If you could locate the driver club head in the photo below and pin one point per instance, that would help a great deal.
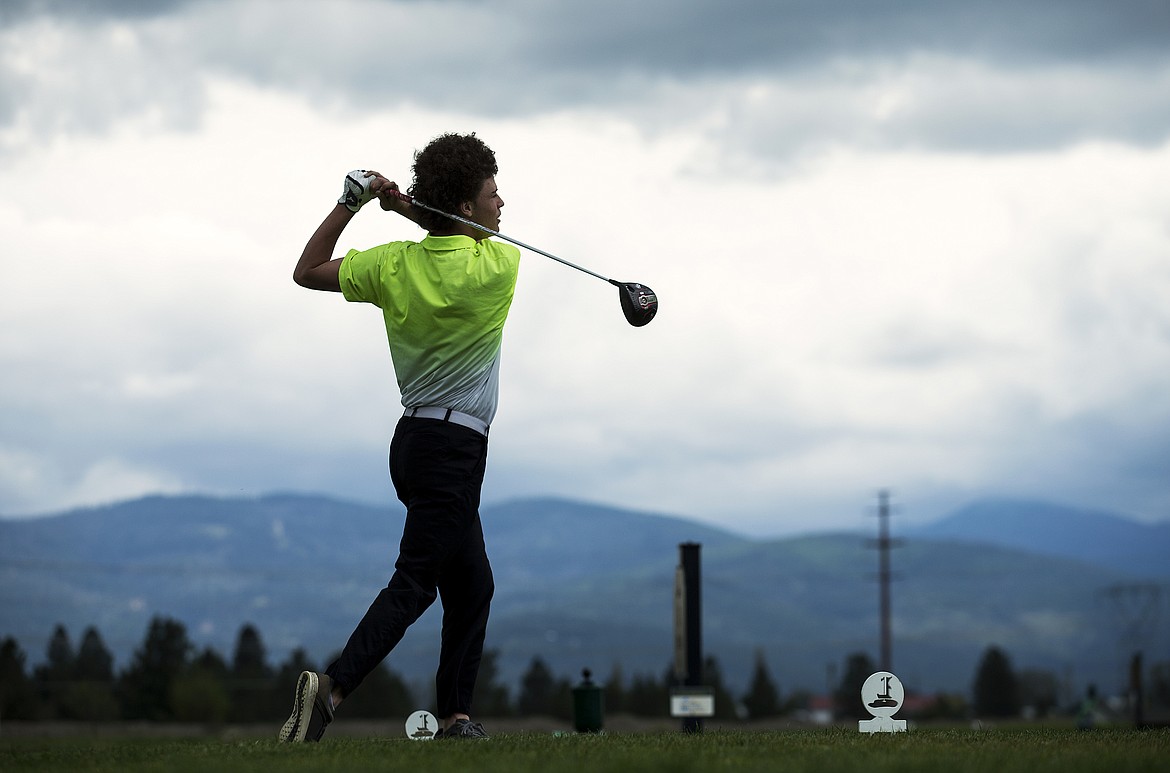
(639, 303)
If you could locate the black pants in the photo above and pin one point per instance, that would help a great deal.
(437, 469)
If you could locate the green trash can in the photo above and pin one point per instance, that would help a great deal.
(588, 705)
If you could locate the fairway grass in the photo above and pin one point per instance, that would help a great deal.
(950, 751)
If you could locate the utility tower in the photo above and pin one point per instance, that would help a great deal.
(883, 545)
(1137, 610)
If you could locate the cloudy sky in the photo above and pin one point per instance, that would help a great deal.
(917, 245)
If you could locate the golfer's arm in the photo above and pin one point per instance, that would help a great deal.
(315, 270)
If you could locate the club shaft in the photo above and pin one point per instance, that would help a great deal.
(517, 242)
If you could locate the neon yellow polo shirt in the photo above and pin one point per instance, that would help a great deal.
(444, 301)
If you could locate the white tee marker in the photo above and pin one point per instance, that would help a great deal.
(421, 726)
(882, 696)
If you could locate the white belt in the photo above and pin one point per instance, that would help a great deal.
(447, 414)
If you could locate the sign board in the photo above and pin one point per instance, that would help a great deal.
(692, 702)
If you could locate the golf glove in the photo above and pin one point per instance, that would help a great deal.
(357, 190)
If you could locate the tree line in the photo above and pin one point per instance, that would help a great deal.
(169, 679)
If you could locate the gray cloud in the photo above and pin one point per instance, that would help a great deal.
(674, 38)
(701, 35)
(868, 357)
(992, 77)
(18, 11)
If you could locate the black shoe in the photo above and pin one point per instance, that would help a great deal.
(312, 709)
(463, 728)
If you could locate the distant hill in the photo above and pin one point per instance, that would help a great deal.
(577, 584)
(1096, 537)
(302, 569)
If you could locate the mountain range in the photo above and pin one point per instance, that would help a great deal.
(582, 585)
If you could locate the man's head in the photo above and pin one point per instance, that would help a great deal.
(455, 173)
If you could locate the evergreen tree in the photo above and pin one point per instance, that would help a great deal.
(491, 697)
(90, 694)
(250, 659)
(996, 687)
(200, 693)
(397, 695)
(536, 690)
(858, 667)
(725, 705)
(283, 683)
(251, 681)
(94, 661)
(59, 657)
(18, 699)
(561, 703)
(290, 670)
(145, 686)
(53, 677)
(615, 696)
(382, 695)
(298, 661)
(762, 698)
(212, 663)
(648, 697)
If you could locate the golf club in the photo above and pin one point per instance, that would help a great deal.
(639, 303)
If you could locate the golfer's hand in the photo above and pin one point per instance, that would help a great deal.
(390, 198)
(357, 189)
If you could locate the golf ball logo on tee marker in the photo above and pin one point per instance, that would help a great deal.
(882, 695)
(421, 726)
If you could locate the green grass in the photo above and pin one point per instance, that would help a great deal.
(949, 751)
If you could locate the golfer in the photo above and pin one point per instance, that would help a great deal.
(444, 301)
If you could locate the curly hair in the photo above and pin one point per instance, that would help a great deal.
(450, 170)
